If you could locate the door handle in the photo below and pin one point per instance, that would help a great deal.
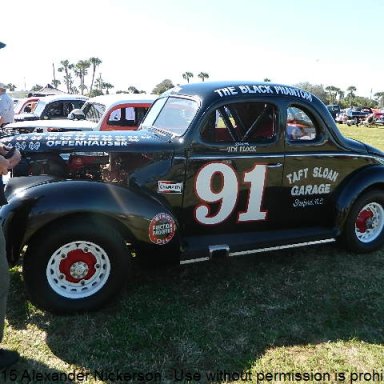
(275, 165)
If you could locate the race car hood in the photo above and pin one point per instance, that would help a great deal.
(95, 141)
(62, 123)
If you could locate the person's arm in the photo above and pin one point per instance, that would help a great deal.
(9, 158)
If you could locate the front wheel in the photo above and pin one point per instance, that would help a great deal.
(75, 267)
(364, 228)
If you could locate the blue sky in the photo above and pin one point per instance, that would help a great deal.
(143, 42)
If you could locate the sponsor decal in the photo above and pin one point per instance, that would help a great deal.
(169, 187)
(309, 182)
(162, 228)
(262, 90)
(76, 140)
(241, 148)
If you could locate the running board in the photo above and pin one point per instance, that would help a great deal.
(225, 249)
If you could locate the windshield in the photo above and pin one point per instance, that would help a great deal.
(172, 114)
(39, 107)
(93, 111)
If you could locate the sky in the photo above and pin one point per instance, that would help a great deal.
(143, 42)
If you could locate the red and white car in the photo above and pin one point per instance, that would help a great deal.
(100, 113)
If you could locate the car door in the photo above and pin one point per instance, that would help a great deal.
(315, 167)
(234, 171)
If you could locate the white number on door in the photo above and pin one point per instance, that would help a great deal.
(227, 193)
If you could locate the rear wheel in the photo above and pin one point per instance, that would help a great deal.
(76, 267)
(364, 228)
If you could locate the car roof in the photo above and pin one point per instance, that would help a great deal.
(211, 91)
(121, 98)
(50, 98)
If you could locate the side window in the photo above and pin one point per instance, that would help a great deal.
(55, 110)
(127, 117)
(252, 122)
(300, 126)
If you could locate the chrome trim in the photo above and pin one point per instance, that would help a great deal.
(251, 251)
(288, 246)
(190, 261)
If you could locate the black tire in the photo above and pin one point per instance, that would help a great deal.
(76, 266)
(364, 228)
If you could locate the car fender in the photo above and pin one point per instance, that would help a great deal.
(149, 223)
(353, 187)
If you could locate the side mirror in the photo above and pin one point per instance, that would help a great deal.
(76, 114)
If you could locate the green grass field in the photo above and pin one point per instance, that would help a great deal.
(306, 315)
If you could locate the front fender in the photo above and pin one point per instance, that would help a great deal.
(353, 187)
(32, 209)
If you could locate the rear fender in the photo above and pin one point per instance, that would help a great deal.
(353, 187)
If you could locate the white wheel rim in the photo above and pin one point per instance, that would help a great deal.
(78, 269)
(369, 222)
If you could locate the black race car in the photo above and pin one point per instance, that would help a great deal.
(215, 170)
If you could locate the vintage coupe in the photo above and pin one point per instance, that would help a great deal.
(215, 170)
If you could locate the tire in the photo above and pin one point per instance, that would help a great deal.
(77, 266)
(364, 228)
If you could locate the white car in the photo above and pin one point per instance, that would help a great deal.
(52, 107)
(100, 113)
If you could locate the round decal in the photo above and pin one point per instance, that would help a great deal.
(162, 228)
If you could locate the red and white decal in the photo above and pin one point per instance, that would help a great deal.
(227, 194)
(162, 228)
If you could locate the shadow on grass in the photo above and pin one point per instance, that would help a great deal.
(222, 316)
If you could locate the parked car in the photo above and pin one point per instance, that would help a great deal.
(100, 113)
(357, 115)
(26, 105)
(211, 173)
(334, 109)
(52, 107)
(342, 117)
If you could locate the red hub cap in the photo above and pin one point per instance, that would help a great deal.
(364, 220)
(78, 265)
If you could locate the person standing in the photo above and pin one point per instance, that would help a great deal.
(9, 158)
(6, 107)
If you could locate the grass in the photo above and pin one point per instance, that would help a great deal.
(314, 311)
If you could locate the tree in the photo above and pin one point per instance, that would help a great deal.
(36, 87)
(81, 70)
(56, 83)
(351, 93)
(203, 75)
(11, 87)
(317, 90)
(332, 93)
(162, 87)
(66, 67)
(95, 62)
(380, 98)
(133, 89)
(107, 86)
(187, 76)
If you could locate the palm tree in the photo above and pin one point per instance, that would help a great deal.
(81, 71)
(203, 75)
(107, 86)
(187, 76)
(11, 87)
(332, 93)
(95, 62)
(66, 67)
(351, 93)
